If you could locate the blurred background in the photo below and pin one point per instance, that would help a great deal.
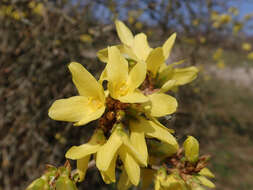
(39, 38)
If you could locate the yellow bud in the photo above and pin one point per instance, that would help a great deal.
(191, 148)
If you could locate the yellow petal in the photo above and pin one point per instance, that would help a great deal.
(141, 47)
(82, 166)
(147, 178)
(167, 46)
(85, 83)
(206, 182)
(131, 166)
(74, 109)
(137, 138)
(162, 104)
(103, 76)
(136, 76)
(131, 149)
(155, 60)
(107, 152)
(153, 130)
(134, 97)
(109, 175)
(206, 172)
(125, 35)
(161, 125)
(124, 182)
(103, 55)
(167, 86)
(117, 69)
(191, 149)
(78, 152)
(184, 75)
(91, 117)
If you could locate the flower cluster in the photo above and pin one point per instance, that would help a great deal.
(137, 80)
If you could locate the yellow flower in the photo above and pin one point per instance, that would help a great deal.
(86, 107)
(122, 84)
(141, 128)
(119, 145)
(83, 152)
(250, 56)
(246, 46)
(136, 48)
(218, 54)
(86, 38)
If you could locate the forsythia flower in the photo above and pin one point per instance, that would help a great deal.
(246, 46)
(83, 153)
(122, 85)
(86, 107)
(119, 144)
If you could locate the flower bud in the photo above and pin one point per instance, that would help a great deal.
(191, 148)
(64, 183)
(38, 184)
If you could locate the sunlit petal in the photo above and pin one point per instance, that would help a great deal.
(134, 97)
(117, 69)
(155, 60)
(167, 46)
(141, 47)
(132, 150)
(91, 117)
(109, 175)
(71, 109)
(78, 152)
(125, 35)
(82, 166)
(107, 152)
(162, 104)
(136, 76)
(184, 75)
(85, 83)
(137, 138)
(131, 166)
(153, 130)
(167, 86)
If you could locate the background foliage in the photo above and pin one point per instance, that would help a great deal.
(39, 38)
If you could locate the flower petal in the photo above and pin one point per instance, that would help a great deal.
(78, 152)
(155, 60)
(136, 76)
(134, 97)
(132, 150)
(125, 35)
(137, 138)
(103, 55)
(206, 172)
(117, 69)
(206, 182)
(162, 104)
(153, 130)
(131, 166)
(124, 182)
(184, 75)
(85, 83)
(109, 175)
(107, 152)
(167, 86)
(141, 47)
(82, 166)
(167, 46)
(91, 117)
(73, 109)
